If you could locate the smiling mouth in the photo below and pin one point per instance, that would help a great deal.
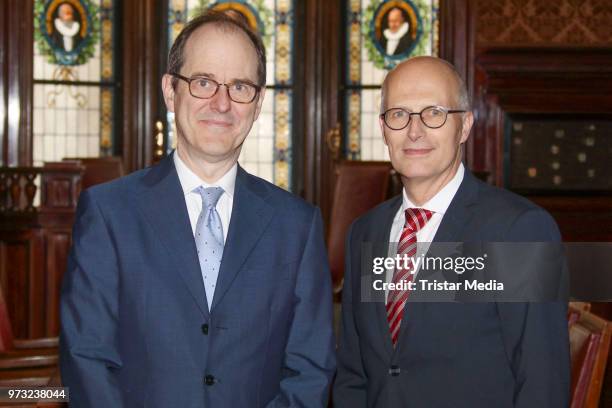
(212, 122)
(416, 152)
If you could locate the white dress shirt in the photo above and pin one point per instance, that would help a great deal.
(190, 181)
(438, 204)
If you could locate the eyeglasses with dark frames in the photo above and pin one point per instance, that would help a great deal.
(202, 87)
(433, 117)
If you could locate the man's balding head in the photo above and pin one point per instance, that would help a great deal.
(435, 69)
(427, 157)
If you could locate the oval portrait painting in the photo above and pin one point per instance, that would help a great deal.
(397, 28)
(66, 30)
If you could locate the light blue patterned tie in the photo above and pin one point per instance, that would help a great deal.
(209, 239)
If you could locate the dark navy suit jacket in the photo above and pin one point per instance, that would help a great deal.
(472, 355)
(136, 329)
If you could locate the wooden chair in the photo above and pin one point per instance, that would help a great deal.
(31, 377)
(589, 346)
(25, 363)
(574, 311)
(99, 169)
(359, 187)
(16, 354)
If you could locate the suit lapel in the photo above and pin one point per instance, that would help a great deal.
(460, 211)
(163, 204)
(381, 235)
(250, 216)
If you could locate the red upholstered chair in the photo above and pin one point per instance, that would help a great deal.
(99, 169)
(589, 346)
(359, 187)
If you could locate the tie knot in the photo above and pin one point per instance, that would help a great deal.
(416, 218)
(209, 195)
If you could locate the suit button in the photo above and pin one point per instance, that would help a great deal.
(394, 371)
(209, 379)
(205, 329)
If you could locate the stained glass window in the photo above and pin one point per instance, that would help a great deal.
(75, 80)
(379, 34)
(267, 150)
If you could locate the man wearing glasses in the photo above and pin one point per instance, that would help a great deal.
(394, 352)
(193, 283)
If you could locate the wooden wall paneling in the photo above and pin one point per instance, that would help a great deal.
(489, 152)
(580, 219)
(15, 263)
(476, 154)
(57, 247)
(20, 274)
(543, 81)
(36, 285)
(568, 82)
(34, 245)
(61, 188)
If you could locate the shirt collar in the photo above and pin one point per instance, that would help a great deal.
(398, 34)
(438, 203)
(190, 181)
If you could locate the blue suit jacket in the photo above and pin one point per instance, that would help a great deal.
(455, 355)
(136, 329)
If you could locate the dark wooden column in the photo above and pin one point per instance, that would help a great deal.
(457, 39)
(144, 56)
(16, 53)
(322, 35)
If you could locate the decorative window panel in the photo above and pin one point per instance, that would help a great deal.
(267, 151)
(75, 81)
(559, 154)
(379, 34)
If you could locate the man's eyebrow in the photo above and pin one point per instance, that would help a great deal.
(232, 81)
(416, 108)
(203, 74)
(244, 80)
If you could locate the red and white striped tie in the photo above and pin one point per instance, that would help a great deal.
(416, 218)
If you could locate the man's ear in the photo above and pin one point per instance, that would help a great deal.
(168, 91)
(468, 121)
(381, 122)
(259, 102)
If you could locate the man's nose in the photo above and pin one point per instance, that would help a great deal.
(415, 128)
(221, 101)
